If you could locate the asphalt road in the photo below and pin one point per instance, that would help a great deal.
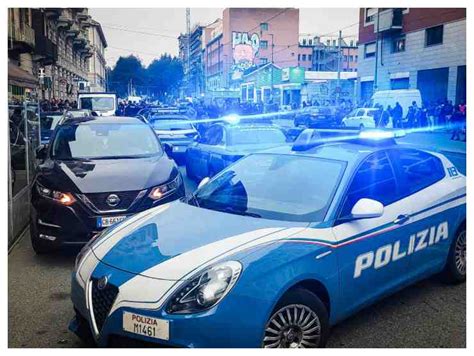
(428, 314)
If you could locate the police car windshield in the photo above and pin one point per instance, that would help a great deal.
(104, 141)
(270, 186)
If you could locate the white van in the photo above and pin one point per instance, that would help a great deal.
(104, 104)
(405, 97)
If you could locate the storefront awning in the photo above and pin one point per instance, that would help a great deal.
(20, 77)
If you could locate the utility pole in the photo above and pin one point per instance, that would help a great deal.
(376, 53)
(188, 47)
(339, 65)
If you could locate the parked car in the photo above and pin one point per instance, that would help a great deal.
(104, 104)
(275, 249)
(316, 116)
(96, 172)
(224, 144)
(176, 131)
(363, 118)
(48, 122)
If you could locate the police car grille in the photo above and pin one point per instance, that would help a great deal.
(100, 200)
(102, 301)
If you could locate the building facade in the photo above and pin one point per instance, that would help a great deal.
(97, 65)
(246, 39)
(413, 48)
(322, 53)
(49, 51)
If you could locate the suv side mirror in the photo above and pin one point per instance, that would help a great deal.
(367, 208)
(41, 152)
(203, 182)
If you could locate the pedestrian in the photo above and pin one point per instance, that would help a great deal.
(457, 126)
(397, 114)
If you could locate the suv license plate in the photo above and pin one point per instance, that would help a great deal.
(106, 221)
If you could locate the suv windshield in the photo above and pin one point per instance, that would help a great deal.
(279, 187)
(102, 141)
(98, 103)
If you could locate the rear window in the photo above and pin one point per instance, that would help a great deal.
(257, 135)
(416, 169)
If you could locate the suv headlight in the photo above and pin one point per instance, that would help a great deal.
(59, 197)
(206, 289)
(164, 190)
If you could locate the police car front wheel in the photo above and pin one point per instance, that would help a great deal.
(300, 320)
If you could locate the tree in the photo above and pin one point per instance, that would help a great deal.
(165, 76)
(127, 70)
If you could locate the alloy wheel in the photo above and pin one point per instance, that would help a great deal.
(460, 253)
(293, 326)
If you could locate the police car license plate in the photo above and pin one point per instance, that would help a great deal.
(145, 325)
(106, 221)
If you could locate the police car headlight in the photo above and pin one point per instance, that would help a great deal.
(206, 289)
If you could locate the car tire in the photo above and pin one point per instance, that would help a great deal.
(455, 269)
(300, 319)
(39, 246)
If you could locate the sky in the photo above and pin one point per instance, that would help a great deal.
(148, 33)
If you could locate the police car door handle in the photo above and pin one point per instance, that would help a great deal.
(401, 219)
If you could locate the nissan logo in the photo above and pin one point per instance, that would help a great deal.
(112, 200)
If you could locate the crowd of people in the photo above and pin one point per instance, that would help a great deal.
(442, 113)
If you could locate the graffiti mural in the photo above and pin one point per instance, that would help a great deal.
(244, 52)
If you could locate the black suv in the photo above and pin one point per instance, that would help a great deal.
(96, 172)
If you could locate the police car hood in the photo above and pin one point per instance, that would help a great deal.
(169, 241)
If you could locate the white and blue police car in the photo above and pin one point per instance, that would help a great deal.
(276, 248)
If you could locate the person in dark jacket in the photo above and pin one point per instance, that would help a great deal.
(397, 114)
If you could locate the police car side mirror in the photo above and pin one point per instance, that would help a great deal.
(203, 182)
(367, 208)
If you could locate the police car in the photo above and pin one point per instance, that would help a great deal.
(276, 248)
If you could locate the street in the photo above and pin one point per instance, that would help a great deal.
(428, 314)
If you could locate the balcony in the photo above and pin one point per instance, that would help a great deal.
(82, 16)
(80, 41)
(46, 51)
(72, 32)
(389, 20)
(21, 39)
(64, 23)
(53, 13)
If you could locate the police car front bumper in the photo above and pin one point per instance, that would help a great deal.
(222, 326)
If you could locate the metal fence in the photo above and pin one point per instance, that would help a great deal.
(24, 139)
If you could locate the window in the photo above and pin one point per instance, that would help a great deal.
(370, 13)
(263, 60)
(264, 26)
(299, 57)
(416, 170)
(309, 57)
(369, 50)
(398, 44)
(304, 41)
(434, 36)
(374, 180)
(303, 57)
(214, 136)
(263, 44)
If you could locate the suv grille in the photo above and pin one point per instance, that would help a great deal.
(102, 301)
(99, 200)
